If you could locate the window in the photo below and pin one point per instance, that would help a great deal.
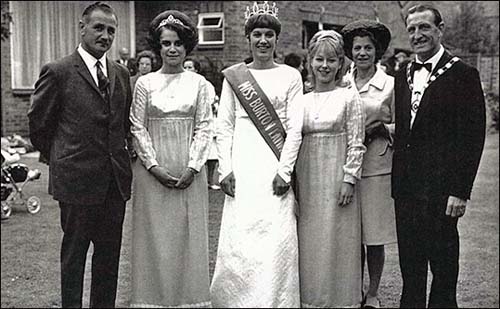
(211, 28)
(43, 31)
(309, 28)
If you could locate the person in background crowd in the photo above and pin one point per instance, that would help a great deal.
(78, 120)
(257, 257)
(401, 60)
(439, 139)
(145, 61)
(172, 129)
(127, 61)
(193, 65)
(325, 138)
(295, 61)
(365, 43)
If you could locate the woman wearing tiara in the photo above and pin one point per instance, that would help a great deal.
(325, 137)
(257, 258)
(172, 129)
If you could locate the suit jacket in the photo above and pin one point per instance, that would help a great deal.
(440, 155)
(82, 134)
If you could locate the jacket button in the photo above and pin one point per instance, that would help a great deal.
(407, 145)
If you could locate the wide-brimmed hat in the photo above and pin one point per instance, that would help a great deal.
(379, 31)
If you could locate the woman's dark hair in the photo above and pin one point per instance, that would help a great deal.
(180, 23)
(196, 64)
(379, 51)
(262, 21)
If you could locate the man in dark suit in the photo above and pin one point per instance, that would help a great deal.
(125, 60)
(440, 131)
(79, 120)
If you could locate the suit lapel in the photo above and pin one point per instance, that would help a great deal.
(82, 69)
(426, 100)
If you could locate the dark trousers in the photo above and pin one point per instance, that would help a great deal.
(102, 225)
(426, 236)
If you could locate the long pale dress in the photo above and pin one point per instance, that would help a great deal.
(326, 134)
(172, 127)
(257, 258)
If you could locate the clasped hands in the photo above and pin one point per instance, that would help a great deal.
(168, 180)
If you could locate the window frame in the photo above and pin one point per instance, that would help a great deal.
(202, 28)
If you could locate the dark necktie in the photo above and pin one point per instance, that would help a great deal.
(102, 81)
(417, 66)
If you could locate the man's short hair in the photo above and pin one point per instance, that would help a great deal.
(422, 8)
(97, 6)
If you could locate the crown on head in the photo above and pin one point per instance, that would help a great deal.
(265, 8)
(169, 20)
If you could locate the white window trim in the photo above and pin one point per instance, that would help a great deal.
(201, 28)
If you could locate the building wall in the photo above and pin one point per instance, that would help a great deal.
(235, 48)
(14, 106)
(213, 59)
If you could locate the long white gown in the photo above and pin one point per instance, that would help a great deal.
(325, 138)
(257, 258)
(172, 127)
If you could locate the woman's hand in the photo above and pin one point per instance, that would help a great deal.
(374, 130)
(186, 179)
(228, 184)
(346, 194)
(280, 187)
(163, 176)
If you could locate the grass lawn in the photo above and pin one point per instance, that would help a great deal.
(30, 273)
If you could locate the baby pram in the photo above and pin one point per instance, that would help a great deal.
(14, 177)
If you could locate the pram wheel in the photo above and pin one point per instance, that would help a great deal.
(6, 209)
(33, 204)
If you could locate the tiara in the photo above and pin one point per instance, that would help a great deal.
(261, 9)
(169, 20)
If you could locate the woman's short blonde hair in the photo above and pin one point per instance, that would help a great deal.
(333, 41)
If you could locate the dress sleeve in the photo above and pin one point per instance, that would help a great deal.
(296, 90)
(225, 129)
(293, 139)
(355, 135)
(203, 126)
(142, 142)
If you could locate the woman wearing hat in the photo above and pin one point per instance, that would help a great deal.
(365, 43)
(172, 128)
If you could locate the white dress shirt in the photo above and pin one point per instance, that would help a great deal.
(90, 62)
(421, 77)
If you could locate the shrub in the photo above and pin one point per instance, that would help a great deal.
(492, 111)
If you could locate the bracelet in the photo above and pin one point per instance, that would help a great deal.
(192, 170)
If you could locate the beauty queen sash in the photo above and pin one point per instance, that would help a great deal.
(257, 105)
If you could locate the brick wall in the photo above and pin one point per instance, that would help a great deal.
(235, 48)
(14, 106)
(292, 14)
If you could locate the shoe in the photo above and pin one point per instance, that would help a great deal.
(214, 187)
(371, 302)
